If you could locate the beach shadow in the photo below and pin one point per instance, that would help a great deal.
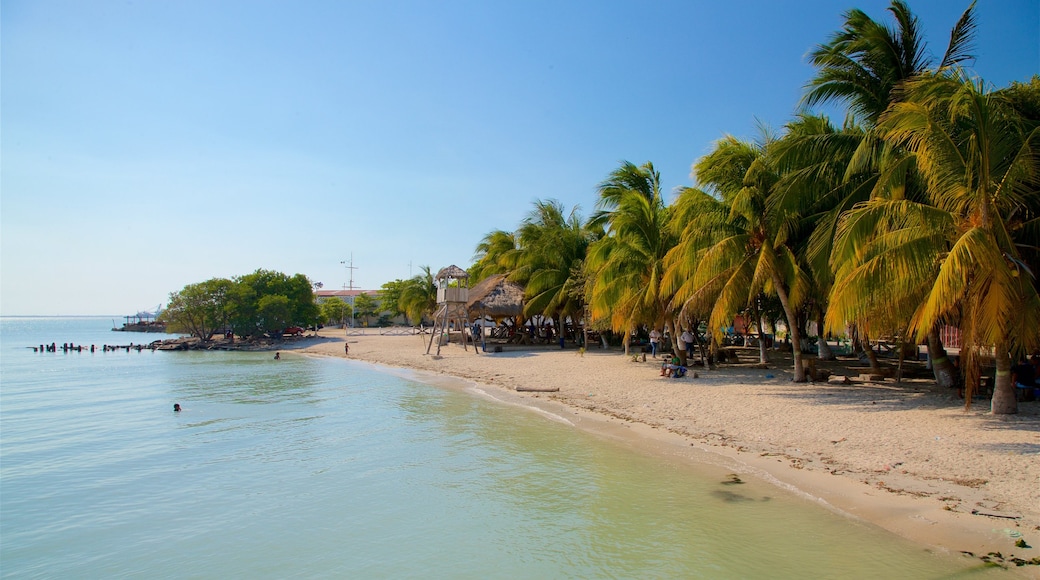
(1013, 448)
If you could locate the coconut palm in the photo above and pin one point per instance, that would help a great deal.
(553, 248)
(497, 253)
(751, 255)
(864, 64)
(814, 157)
(419, 296)
(699, 220)
(865, 61)
(627, 264)
(954, 256)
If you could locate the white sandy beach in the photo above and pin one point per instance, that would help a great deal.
(906, 458)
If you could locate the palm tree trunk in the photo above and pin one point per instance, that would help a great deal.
(1004, 401)
(792, 323)
(675, 342)
(868, 351)
(762, 358)
(942, 367)
(824, 351)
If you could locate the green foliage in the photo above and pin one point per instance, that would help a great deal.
(274, 313)
(390, 298)
(250, 305)
(334, 310)
(199, 309)
(418, 296)
(365, 307)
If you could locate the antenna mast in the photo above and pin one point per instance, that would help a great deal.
(350, 268)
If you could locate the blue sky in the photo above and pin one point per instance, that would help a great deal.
(147, 145)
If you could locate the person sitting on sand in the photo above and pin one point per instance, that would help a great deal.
(672, 367)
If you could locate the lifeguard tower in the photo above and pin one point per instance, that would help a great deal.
(452, 295)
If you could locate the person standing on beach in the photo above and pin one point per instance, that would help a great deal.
(655, 337)
(687, 342)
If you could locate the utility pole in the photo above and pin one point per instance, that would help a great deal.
(350, 270)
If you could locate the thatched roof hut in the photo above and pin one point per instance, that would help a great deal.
(496, 297)
(452, 271)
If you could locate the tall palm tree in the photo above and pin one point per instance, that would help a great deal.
(865, 61)
(864, 65)
(699, 220)
(497, 253)
(752, 256)
(953, 256)
(553, 249)
(814, 159)
(627, 264)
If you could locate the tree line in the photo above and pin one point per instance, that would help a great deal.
(264, 302)
(920, 209)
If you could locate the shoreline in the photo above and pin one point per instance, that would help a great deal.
(904, 458)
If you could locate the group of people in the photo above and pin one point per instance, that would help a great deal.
(673, 368)
(686, 341)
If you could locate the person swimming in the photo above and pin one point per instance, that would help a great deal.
(277, 355)
(176, 407)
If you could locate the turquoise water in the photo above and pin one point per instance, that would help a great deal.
(309, 467)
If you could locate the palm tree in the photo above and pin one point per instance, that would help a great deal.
(419, 296)
(497, 253)
(953, 256)
(627, 264)
(553, 249)
(752, 255)
(814, 157)
(864, 65)
(699, 220)
(866, 61)
(982, 168)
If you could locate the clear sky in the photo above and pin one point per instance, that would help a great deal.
(147, 144)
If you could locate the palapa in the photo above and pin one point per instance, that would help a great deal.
(496, 297)
(452, 271)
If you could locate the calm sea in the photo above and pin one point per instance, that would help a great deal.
(302, 468)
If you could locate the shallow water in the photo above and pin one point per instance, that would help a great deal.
(324, 467)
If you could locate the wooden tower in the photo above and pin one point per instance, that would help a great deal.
(452, 295)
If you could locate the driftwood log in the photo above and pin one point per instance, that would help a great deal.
(538, 389)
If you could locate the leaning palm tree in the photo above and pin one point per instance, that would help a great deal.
(553, 249)
(699, 220)
(955, 255)
(419, 296)
(814, 159)
(864, 65)
(866, 61)
(753, 256)
(497, 253)
(626, 265)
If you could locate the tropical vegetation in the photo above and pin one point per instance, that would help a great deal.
(264, 302)
(920, 210)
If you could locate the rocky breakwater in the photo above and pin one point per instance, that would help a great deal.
(222, 343)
